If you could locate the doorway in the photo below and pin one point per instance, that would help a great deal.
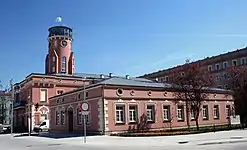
(70, 120)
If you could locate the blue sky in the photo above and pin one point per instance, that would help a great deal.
(120, 36)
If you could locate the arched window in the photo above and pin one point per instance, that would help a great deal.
(64, 64)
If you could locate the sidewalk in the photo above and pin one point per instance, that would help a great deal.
(195, 139)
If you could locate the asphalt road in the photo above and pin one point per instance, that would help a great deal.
(21, 143)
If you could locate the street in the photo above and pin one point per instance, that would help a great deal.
(218, 141)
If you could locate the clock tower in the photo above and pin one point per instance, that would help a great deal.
(60, 58)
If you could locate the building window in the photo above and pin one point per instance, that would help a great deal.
(57, 118)
(217, 67)
(120, 114)
(150, 113)
(210, 68)
(180, 113)
(192, 114)
(217, 78)
(79, 117)
(205, 112)
(59, 92)
(133, 114)
(62, 117)
(55, 43)
(225, 65)
(43, 117)
(166, 113)
(242, 61)
(234, 63)
(228, 111)
(87, 119)
(63, 64)
(225, 76)
(53, 69)
(53, 59)
(166, 78)
(43, 95)
(216, 112)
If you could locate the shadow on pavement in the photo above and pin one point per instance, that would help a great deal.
(62, 135)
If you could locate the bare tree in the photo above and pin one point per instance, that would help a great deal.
(192, 83)
(237, 82)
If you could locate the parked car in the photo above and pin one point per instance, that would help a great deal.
(43, 126)
(6, 128)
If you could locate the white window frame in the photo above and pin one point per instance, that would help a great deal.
(63, 67)
(62, 113)
(55, 43)
(234, 60)
(58, 92)
(79, 117)
(180, 111)
(120, 113)
(218, 67)
(53, 69)
(216, 112)
(225, 66)
(205, 111)
(243, 59)
(166, 112)
(192, 114)
(57, 115)
(150, 112)
(210, 68)
(46, 95)
(53, 58)
(133, 109)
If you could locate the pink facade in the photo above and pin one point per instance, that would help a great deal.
(60, 58)
(39, 88)
(111, 111)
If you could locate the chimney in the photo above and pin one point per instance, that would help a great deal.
(102, 76)
(127, 77)
(110, 75)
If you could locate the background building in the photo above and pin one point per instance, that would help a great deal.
(5, 107)
(119, 104)
(217, 65)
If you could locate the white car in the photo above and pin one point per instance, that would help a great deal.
(43, 126)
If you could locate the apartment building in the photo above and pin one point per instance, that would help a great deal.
(216, 65)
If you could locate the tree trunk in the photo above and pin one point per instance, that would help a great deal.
(187, 115)
(197, 123)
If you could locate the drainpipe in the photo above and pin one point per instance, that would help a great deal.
(103, 107)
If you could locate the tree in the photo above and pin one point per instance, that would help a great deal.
(191, 84)
(237, 82)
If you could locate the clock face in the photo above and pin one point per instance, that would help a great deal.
(64, 43)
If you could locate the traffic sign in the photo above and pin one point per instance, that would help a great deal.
(84, 106)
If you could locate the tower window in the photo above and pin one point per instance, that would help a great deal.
(63, 64)
(53, 58)
(55, 43)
